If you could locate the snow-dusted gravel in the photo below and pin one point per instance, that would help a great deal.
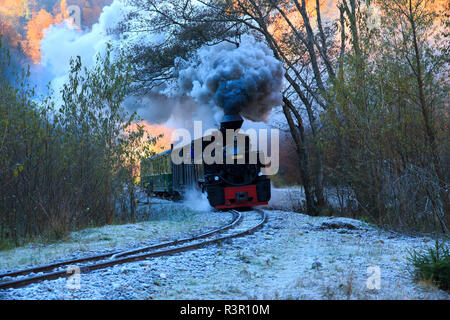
(165, 221)
(293, 256)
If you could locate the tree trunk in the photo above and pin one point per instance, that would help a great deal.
(132, 204)
(318, 165)
(297, 133)
(427, 119)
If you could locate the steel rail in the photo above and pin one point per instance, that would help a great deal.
(136, 255)
(236, 219)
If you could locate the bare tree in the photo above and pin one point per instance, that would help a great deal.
(306, 55)
(414, 18)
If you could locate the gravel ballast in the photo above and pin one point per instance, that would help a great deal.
(294, 256)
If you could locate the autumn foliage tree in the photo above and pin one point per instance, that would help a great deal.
(366, 95)
(387, 129)
(63, 162)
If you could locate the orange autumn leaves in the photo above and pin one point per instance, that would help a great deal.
(23, 22)
(14, 8)
(155, 130)
(28, 36)
(10, 13)
(40, 21)
(164, 139)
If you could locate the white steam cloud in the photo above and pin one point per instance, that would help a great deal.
(219, 79)
(63, 41)
(196, 200)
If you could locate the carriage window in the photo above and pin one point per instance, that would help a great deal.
(168, 164)
(164, 161)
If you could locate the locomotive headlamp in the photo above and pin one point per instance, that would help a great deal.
(216, 178)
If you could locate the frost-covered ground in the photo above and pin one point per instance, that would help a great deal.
(293, 256)
(292, 198)
(166, 220)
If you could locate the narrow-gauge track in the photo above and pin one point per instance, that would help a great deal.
(57, 270)
(110, 255)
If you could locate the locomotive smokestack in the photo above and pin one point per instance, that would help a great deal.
(231, 121)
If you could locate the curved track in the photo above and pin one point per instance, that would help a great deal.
(59, 269)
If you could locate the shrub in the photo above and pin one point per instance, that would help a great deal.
(67, 163)
(433, 265)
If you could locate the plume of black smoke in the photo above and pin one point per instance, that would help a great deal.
(245, 79)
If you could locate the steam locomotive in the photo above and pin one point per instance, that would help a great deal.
(236, 184)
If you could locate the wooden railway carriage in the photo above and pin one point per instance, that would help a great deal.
(161, 177)
(156, 174)
(227, 185)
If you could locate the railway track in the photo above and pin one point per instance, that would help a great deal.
(236, 228)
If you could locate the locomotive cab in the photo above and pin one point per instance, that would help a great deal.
(239, 183)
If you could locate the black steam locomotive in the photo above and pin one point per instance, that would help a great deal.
(228, 184)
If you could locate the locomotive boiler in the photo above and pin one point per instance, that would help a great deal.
(236, 181)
